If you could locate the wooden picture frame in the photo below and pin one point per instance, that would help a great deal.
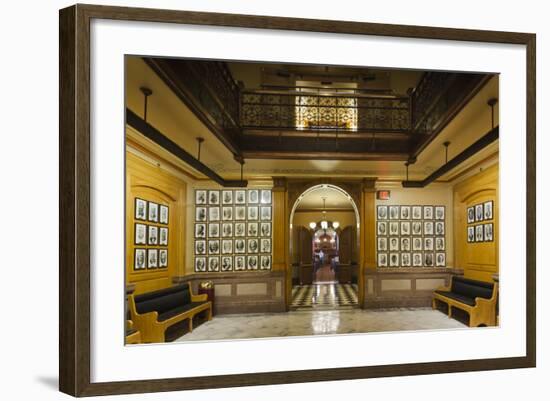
(75, 337)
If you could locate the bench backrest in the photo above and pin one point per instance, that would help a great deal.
(163, 300)
(472, 288)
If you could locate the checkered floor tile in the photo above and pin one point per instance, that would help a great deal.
(325, 295)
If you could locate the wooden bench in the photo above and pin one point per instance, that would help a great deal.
(154, 312)
(133, 336)
(477, 298)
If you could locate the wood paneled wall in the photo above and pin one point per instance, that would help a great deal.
(147, 181)
(478, 259)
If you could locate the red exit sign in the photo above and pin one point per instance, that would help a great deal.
(383, 195)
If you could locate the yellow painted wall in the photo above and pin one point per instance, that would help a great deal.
(478, 259)
(146, 180)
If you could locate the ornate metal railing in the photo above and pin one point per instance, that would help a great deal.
(310, 111)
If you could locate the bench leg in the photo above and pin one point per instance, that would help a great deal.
(449, 311)
(210, 313)
(190, 324)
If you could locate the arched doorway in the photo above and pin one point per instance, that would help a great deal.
(324, 248)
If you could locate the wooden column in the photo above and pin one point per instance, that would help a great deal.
(280, 230)
(367, 261)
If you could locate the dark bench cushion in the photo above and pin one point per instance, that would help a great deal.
(176, 311)
(164, 300)
(457, 297)
(469, 288)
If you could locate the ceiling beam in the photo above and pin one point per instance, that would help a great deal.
(163, 141)
(474, 148)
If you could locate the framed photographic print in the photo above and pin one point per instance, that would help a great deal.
(227, 230)
(200, 230)
(440, 212)
(394, 228)
(416, 212)
(405, 244)
(214, 213)
(227, 213)
(240, 197)
(227, 198)
(416, 228)
(163, 258)
(240, 212)
(200, 214)
(265, 229)
(417, 244)
(200, 247)
(213, 230)
(200, 264)
(252, 229)
(488, 232)
(253, 245)
(428, 228)
(253, 196)
(405, 212)
(382, 260)
(103, 113)
(479, 212)
(140, 259)
(213, 263)
(428, 244)
(405, 228)
(140, 209)
(382, 244)
(440, 259)
(227, 246)
(440, 243)
(265, 262)
(265, 213)
(439, 228)
(471, 234)
(393, 212)
(140, 234)
(394, 244)
(479, 233)
(152, 235)
(213, 197)
(163, 236)
(265, 245)
(227, 263)
(240, 263)
(428, 212)
(488, 210)
(417, 259)
(240, 230)
(152, 258)
(266, 196)
(200, 197)
(471, 214)
(252, 213)
(152, 211)
(382, 212)
(163, 216)
(406, 259)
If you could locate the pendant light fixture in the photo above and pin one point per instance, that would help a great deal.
(324, 222)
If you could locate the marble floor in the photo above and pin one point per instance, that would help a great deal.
(324, 295)
(316, 322)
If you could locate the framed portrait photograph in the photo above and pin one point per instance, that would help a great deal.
(200, 264)
(382, 212)
(471, 214)
(252, 229)
(163, 214)
(213, 263)
(140, 259)
(213, 197)
(227, 197)
(382, 260)
(140, 209)
(265, 262)
(213, 230)
(240, 229)
(240, 263)
(152, 258)
(265, 195)
(265, 229)
(152, 211)
(200, 214)
(253, 196)
(240, 197)
(163, 235)
(152, 235)
(140, 234)
(201, 197)
(428, 212)
(311, 108)
(200, 230)
(227, 230)
(252, 213)
(163, 257)
(227, 263)
(488, 210)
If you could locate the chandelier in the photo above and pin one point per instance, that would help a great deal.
(324, 223)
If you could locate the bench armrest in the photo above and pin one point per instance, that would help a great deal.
(443, 288)
(199, 298)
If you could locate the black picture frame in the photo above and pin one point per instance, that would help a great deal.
(488, 208)
(470, 215)
(140, 216)
(152, 235)
(162, 264)
(143, 253)
(164, 217)
(145, 237)
(152, 212)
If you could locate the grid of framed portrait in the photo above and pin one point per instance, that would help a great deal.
(232, 230)
(150, 235)
(411, 236)
(480, 224)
